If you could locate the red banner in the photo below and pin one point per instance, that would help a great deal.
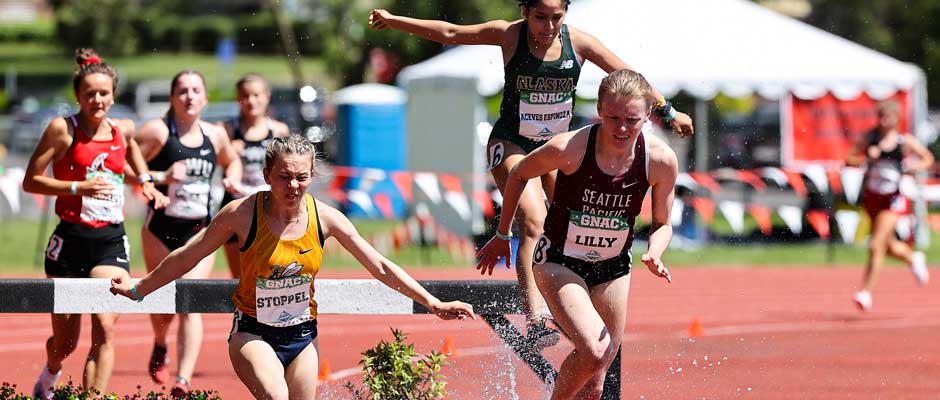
(825, 129)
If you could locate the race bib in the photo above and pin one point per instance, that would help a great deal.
(595, 237)
(108, 209)
(544, 114)
(189, 200)
(284, 301)
(883, 178)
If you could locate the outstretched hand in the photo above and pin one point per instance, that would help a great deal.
(657, 267)
(682, 125)
(490, 254)
(122, 286)
(453, 310)
(378, 19)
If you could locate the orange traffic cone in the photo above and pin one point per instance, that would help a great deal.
(696, 329)
(325, 374)
(449, 348)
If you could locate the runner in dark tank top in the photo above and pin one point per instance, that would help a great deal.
(542, 59)
(888, 154)
(582, 262)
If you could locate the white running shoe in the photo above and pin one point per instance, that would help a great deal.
(43, 387)
(919, 268)
(862, 299)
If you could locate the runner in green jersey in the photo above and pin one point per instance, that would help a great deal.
(542, 58)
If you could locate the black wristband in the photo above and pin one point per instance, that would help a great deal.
(663, 112)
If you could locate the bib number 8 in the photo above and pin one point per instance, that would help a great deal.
(540, 256)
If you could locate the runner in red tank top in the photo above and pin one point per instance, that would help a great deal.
(88, 153)
(582, 262)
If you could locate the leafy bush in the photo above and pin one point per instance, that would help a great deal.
(70, 391)
(394, 371)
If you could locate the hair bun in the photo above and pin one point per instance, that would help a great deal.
(86, 56)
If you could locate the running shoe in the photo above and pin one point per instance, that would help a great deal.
(180, 389)
(862, 299)
(43, 387)
(540, 336)
(159, 371)
(919, 268)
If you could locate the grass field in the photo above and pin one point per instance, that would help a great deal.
(19, 251)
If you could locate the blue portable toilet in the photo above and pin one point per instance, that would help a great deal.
(370, 123)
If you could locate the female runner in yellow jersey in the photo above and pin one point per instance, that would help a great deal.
(280, 232)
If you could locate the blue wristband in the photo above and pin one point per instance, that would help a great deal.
(136, 296)
(502, 236)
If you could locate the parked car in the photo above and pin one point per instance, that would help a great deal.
(152, 99)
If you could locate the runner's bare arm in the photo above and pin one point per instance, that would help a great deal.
(663, 170)
(925, 158)
(594, 51)
(54, 143)
(336, 225)
(229, 160)
(138, 166)
(858, 154)
(491, 32)
(179, 261)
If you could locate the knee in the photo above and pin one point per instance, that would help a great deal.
(877, 247)
(598, 356)
(105, 332)
(530, 226)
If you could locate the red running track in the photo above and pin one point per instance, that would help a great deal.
(768, 334)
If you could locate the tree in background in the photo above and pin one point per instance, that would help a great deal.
(904, 29)
(348, 41)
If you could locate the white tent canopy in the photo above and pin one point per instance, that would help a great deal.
(705, 47)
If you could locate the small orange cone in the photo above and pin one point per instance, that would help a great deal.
(325, 374)
(449, 348)
(696, 329)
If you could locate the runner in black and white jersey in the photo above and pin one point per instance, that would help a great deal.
(183, 150)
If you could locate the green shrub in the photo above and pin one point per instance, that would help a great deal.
(394, 371)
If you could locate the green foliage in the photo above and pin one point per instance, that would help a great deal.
(70, 391)
(904, 29)
(103, 24)
(39, 31)
(394, 371)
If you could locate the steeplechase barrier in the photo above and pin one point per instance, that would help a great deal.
(492, 300)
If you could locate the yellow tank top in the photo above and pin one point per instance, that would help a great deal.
(277, 275)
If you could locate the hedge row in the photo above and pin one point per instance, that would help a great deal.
(32, 32)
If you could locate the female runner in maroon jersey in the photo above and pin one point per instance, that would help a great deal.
(583, 261)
